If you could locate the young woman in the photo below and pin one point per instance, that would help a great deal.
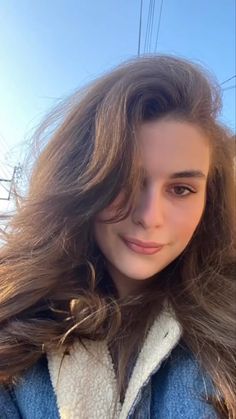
(117, 294)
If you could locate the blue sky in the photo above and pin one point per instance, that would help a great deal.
(48, 48)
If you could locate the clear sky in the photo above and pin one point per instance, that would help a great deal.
(50, 47)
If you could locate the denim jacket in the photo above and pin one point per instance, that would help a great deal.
(166, 382)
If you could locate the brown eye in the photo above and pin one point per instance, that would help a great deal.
(182, 191)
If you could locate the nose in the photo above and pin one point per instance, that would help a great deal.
(149, 208)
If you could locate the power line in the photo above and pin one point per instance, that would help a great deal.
(148, 26)
(229, 88)
(3, 142)
(140, 26)
(158, 26)
(4, 168)
(5, 172)
(2, 186)
(152, 19)
(3, 147)
(225, 81)
(6, 164)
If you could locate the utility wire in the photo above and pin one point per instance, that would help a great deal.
(6, 164)
(151, 28)
(148, 26)
(140, 26)
(158, 26)
(5, 172)
(229, 88)
(3, 187)
(3, 147)
(225, 81)
(4, 168)
(3, 142)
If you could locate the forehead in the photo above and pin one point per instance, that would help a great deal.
(169, 146)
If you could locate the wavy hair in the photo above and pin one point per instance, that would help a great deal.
(54, 284)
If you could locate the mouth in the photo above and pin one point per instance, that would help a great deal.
(142, 248)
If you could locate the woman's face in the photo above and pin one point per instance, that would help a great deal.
(176, 159)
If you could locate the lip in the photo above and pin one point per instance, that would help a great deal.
(147, 245)
(148, 249)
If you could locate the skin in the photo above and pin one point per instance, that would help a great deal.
(167, 211)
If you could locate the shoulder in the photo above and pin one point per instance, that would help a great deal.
(32, 397)
(8, 405)
(180, 386)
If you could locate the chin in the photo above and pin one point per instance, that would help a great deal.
(141, 271)
(138, 275)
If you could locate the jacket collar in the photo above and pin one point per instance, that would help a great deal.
(86, 386)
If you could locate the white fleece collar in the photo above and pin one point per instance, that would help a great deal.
(86, 388)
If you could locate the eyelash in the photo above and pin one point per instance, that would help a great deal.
(187, 188)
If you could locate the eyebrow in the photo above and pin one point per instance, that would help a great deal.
(189, 174)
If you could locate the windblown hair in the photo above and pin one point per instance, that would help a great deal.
(54, 286)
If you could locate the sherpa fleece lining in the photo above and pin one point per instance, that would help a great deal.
(86, 388)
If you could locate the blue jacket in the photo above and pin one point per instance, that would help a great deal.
(165, 382)
(173, 392)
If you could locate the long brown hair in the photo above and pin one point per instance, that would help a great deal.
(54, 283)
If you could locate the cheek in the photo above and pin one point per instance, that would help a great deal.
(184, 223)
(100, 230)
(109, 211)
(104, 233)
(100, 235)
